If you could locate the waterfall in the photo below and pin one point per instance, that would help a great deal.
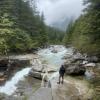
(10, 86)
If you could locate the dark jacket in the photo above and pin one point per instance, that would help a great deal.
(62, 70)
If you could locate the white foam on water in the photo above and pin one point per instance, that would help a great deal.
(10, 86)
(54, 59)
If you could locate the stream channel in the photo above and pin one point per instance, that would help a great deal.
(48, 56)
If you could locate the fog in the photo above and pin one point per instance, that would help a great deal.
(57, 10)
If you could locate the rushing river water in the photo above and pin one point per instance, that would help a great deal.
(47, 56)
(53, 59)
(10, 85)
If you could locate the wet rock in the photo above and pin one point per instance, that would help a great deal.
(37, 65)
(90, 65)
(54, 51)
(71, 90)
(92, 59)
(39, 74)
(9, 66)
(42, 94)
(20, 63)
(74, 65)
(3, 64)
(48, 68)
(78, 56)
(73, 69)
(38, 69)
(35, 74)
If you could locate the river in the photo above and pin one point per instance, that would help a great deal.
(51, 56)
(53, 59)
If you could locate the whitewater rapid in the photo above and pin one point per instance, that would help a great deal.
(10, 85)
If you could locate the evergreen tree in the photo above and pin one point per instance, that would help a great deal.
(86, 34)
(20, 27)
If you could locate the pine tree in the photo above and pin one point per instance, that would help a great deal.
(86, 34)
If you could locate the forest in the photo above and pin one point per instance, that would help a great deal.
(84, 33)
(22, 28)
(39, 61)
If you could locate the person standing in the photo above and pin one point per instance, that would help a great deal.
(61, 74)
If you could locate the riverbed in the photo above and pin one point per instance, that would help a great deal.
(28, 85)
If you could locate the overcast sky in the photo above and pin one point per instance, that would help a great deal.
(55, 10)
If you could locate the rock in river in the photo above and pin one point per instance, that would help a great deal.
(54, 51)
(35, 74)
(38, 69)
(75, 69)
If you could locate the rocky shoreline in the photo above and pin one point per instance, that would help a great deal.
(78, 64)
(9, 66)
(75, 63)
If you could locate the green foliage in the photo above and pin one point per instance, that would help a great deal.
(21, 27)
(55, 36)
(68, 35)
(20, 41)
(85, 35)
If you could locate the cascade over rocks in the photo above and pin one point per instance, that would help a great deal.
(38, 69)
(8, 66)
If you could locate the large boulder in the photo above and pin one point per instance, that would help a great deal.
(38, 69)
(73, 65)
(37, 65)
(78, 56)
(75, 69)
(92, 59)
(75, 58)
(35, 74)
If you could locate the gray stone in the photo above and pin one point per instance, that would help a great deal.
(35, 74)
(54, 51)
(37, 65)
(42, 94)
(92, 59)
(73, 69)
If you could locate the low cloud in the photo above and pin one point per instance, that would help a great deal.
(56, 10)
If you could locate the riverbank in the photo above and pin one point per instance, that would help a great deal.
(80, 88)
(19, 85)
(46, 60)
(12, 64)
